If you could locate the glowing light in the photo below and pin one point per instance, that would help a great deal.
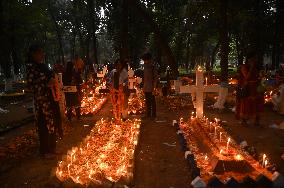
(102, 155)
(238, 157)
(199, 68)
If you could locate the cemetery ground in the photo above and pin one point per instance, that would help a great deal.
(159, 160)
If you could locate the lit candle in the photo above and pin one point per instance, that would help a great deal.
(215, 132)
(206, 157)
(180, 120)
(216, 120)
(210, 124)
(263, 159)
(220, 136)
(199, 69)
(68, 166)
(265, 163)
(229, 139)
(205, 80)
(221, 151)
(238, 157)
(72, 157)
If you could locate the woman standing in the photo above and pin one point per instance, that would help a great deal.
(40, 81)
(249, 100)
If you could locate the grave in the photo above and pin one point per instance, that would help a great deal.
(209, 148)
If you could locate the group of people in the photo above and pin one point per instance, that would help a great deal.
(43, 83)
(118, 84)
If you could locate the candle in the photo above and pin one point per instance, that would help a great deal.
(205, 80)
(229, 139)
(265, 163)
(215, 132)
(68, 169)
(72, 157)
(199, 69)
(206, 157)
(238, 157)
(221, 151)
(216, 120)
(210, 124)
(220, 136)
(180, 120)
(263, 159)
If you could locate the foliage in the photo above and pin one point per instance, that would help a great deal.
(94, 30)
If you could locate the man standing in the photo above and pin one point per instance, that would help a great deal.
(150, 81)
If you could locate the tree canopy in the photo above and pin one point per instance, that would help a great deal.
(178, 33)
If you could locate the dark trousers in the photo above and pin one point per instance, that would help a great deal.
(47, 141)
(69, 113)
(150, 104)
(57, 118)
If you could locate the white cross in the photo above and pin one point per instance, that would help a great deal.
(198, 91)
(132, 80)
(102, 73)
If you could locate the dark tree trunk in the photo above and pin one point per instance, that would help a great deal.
(240, 54)
(156, 29)
(123, 51)
(92, 26)
(224, 41)
(187, 51)
(214, 53)
(259, 44)
(58, 33)
(82, 49)
(277, 39)
(73, 44)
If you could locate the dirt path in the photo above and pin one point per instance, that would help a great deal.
(159, 161)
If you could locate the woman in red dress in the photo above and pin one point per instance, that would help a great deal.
(249, 102)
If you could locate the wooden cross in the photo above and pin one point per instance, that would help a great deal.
(198, 91)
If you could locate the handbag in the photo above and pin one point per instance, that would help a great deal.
(242, 91)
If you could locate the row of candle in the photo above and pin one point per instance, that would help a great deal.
(215, 124)
(136, 103)
(107, 153)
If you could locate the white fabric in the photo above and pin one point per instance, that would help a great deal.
(223, 93)
(278, 100)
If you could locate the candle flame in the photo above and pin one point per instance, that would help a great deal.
(238, 157)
